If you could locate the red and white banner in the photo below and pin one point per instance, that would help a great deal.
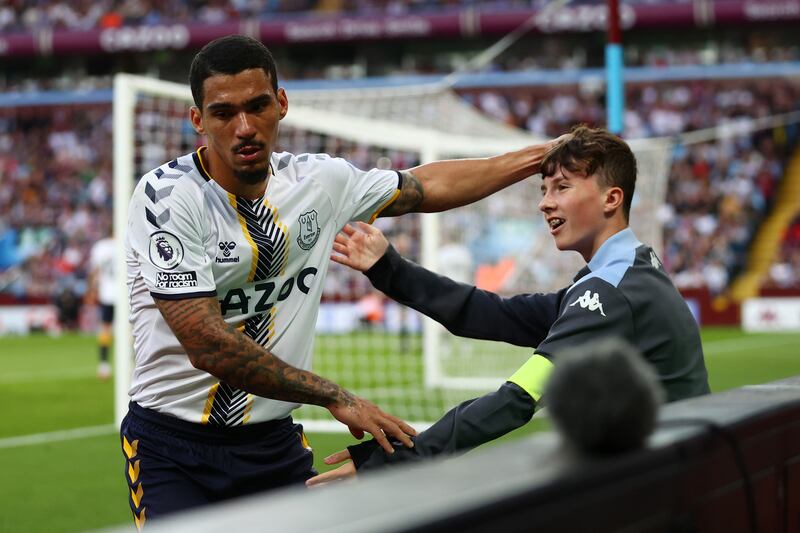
(771, 314)
(22, 319)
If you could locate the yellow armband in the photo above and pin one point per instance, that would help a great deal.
(532, 376)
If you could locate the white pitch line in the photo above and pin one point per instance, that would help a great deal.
(746, 343)
(57, 436)
(47, 375)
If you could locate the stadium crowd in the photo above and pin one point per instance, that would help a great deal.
(352, 60)
(785, 270)
(55, 169)
(31, 15)
(718, 191)
(55, 198)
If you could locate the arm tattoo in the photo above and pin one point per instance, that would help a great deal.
(228, 354)
(411, 196)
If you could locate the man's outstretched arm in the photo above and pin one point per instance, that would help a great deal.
(443, 185)
(226, 353)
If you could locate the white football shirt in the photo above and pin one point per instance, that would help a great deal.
(264, 260)
(101, 261)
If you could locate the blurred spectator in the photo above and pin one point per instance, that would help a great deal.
(785, 270)
(68, 304)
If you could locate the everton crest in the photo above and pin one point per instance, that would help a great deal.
(309, 230)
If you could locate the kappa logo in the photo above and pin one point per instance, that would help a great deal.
(590, 301)
(227, 247)
(309, 230)
(654, 260)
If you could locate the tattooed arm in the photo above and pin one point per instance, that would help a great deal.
(443, 185)
(226, 353)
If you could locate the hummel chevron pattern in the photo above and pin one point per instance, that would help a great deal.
(139, 519)
(268, 235)
(230, 406)
(130, 448)
(137, 492)
(156, 195)
(161, 175)
(157, 221)
(260, 328)
(284, 162)
(133, 471)
(137, 496)
(177, 166)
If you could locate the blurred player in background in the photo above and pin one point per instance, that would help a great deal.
(101, 292)
(588, 182)
(227, 249)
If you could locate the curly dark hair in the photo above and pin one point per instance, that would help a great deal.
(597, 151)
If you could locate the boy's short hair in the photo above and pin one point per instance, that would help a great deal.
(595, 150)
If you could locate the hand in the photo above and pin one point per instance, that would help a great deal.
(359, 250)
(345, 471)
(552, 144)
(360, 415)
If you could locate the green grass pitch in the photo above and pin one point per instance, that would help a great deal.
(48, 385)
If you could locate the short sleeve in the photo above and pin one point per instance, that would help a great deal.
(591, 310)
(167, 238)
(360, 194)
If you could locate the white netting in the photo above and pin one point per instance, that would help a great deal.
(428, 107)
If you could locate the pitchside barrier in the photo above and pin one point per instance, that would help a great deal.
(728, 462)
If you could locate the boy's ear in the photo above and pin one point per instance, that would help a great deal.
(614, 198)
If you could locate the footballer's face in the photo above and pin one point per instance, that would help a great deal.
(580, 213)
(240, 117)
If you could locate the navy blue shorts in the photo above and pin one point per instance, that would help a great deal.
(172, 465)
(106, 313)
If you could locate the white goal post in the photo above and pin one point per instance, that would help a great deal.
(502, 237)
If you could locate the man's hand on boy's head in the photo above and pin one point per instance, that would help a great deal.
(558, 141)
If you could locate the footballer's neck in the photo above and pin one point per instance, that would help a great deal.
(244, 185)
(613, 227)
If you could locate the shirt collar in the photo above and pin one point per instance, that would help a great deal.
(616, 246)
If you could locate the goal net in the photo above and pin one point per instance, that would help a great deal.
(403, 362)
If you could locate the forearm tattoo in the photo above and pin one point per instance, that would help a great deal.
(411, 196)
(236, 359)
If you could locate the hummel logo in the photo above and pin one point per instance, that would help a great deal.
(226, 247)
(589, 300)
